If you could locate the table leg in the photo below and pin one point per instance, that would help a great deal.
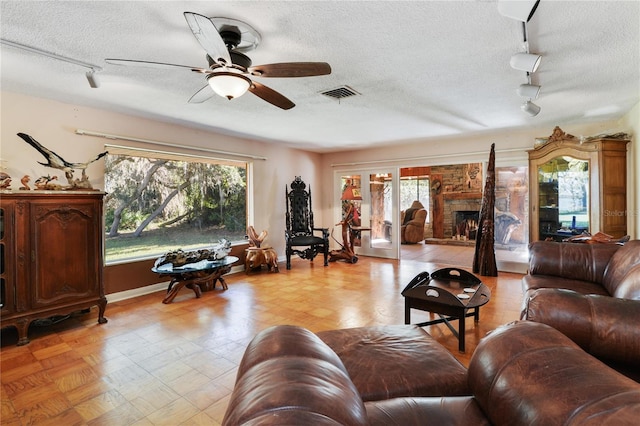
(407, 312)
(461, 330)
(217, 276)
(173, 289)
(476, 315)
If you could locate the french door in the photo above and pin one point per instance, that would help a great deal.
(370, 199)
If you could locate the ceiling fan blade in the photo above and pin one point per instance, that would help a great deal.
(291, 69)
(209, 38)
(148, 64)
(202, 95)
(270, 95)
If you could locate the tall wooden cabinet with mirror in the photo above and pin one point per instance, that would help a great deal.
(578, 185)
(51, 255)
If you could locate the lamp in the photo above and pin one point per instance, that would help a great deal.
(530, 91)
(522, 10)
(351, 193)
(528, 62)
(530, 108)
(228, 84)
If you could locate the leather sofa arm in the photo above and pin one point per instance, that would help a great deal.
(289, 376)
(527, 373)
(606, 327)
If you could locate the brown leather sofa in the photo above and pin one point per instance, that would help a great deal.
(412, 223)
(524, 373)
(591, 293)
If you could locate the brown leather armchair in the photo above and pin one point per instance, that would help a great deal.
(413, 220)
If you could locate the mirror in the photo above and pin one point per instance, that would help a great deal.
(563, 198)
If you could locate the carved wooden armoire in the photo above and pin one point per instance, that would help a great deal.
(603, 159)
(51, 251)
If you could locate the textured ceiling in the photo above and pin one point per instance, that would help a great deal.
(423, 69)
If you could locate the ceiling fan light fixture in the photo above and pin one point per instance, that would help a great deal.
(530, 91)
(530, 108)
(528, 62)
(229, 85)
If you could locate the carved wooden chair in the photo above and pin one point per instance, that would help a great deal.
(300, 231)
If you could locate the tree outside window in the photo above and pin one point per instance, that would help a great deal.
(156, 205)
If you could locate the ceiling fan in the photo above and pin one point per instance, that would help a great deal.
(229, 69)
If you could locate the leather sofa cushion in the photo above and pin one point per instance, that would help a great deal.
(534, 282)
(397, 360)
(583, 262)
(450, 411)
(531, 374)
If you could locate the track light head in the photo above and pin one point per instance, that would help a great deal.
(530, 91)
(528, 62)
(530, 108)
(92, 77)
(522, 10)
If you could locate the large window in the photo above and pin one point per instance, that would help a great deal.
(159, 202)
(414, 188)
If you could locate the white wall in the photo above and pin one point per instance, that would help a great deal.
(53, 124)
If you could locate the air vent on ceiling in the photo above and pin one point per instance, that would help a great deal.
(340, 92)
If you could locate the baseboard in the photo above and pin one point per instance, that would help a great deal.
(141, 291)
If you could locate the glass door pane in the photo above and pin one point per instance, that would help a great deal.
(368, 203)
(381, 211)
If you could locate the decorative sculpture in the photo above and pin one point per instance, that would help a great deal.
(46, 183)
(180, 257)
(484, 258)
(25, 183)
(56, 162)
(5, 180)
(256, 255)
(255, 240)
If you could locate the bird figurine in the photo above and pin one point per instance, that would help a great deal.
(25, 183)
(56, 162)
(5, 180)
(46, 183)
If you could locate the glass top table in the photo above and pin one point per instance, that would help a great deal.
(199, 276)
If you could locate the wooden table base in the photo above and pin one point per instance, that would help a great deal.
(196, 281)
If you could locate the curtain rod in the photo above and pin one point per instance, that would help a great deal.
(426, 157)
(172, 145)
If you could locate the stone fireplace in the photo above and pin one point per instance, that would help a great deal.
(465, 224)
(462, 215)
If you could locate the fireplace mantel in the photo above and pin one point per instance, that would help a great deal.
(462, 195)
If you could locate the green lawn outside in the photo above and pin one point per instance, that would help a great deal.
(156, 242)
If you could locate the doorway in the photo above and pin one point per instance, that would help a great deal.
(368, 202)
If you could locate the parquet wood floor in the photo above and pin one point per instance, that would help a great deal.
(156, 364)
